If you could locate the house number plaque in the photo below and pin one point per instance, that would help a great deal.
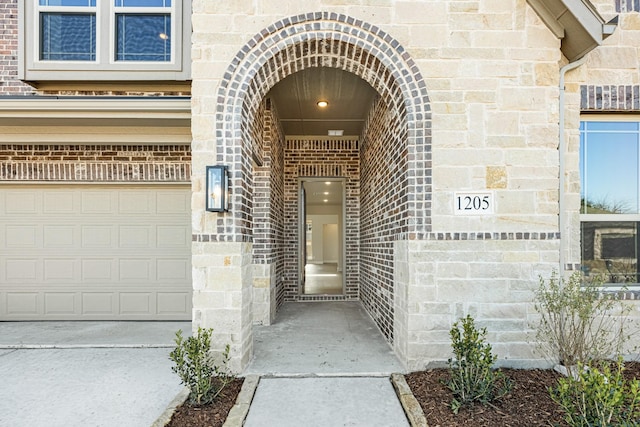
(473, 203)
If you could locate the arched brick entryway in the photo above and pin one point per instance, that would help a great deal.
(395, 184)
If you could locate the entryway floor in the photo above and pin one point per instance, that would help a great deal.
(335, 338)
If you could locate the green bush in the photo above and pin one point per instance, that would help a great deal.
(579, 322)
(196, 368)
(599, 397)
(472, 375)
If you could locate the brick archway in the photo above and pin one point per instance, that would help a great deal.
(395, 194)
(323, 39)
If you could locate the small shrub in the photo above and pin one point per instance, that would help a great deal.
(472, 375)
(599, 397)
(578, 322)
(197, 370)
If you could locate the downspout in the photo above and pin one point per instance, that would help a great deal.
(562, 217)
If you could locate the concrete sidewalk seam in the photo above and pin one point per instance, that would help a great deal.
(79, 346)
(327, 375)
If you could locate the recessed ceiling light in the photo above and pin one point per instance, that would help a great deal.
(326, 193)
(322, 103)
(325, 200)
(336, 132)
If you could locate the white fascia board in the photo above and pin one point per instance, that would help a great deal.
(35, 107)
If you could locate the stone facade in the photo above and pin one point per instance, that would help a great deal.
(469, 101)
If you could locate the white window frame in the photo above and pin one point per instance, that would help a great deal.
(105, 68)
(628, 217)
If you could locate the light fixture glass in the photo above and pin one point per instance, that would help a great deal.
(322, 103)
(217, 189)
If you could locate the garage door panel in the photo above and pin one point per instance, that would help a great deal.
(173, 202)
(135, 202)
(58, 202)
(121, 253)
(21, 236)
(101, 270)
(21, 270)
(59, 236)
(21, 202)
(173, 302)
(60, 270)
(135, 236)
(136, 303)
(97, 236)
(171, 236)
(135, 270)
(22, 304)
(170, 270)
(96, 202)
(60, 303)
(99, 304)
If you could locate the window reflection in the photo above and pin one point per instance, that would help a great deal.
(610, 250)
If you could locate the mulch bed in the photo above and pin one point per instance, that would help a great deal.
(528, 403)
(213, 415)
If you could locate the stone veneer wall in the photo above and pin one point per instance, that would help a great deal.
(316, 158)
(95, 163)
(384, 199)
(490, 276)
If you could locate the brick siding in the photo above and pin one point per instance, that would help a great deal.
(610, 98)
(95, 163)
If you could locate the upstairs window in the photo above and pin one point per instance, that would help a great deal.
(143, 30)
(610, 199)
(64, 38)
(67, 30)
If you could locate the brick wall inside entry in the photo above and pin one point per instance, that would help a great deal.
(322, 158)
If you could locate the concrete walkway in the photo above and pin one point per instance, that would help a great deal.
(321, 364)
(86, 373)
(322, 338)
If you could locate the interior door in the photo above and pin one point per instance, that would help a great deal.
(302, 223)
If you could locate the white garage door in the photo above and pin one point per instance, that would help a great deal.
(95, 252)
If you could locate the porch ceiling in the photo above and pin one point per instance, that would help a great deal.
(296, 97)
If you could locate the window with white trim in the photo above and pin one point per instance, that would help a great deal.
(105, 39)
(610, 199)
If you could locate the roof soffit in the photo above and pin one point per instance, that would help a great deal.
(576, 22)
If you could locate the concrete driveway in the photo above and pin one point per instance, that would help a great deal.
(86, 373)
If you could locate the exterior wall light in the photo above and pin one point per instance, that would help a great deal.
(217, 189)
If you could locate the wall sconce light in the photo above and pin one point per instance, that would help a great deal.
(217, 189)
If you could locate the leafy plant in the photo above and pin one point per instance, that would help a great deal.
(599, 397)
(196, 368)
(579, 322)
(472, 375)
